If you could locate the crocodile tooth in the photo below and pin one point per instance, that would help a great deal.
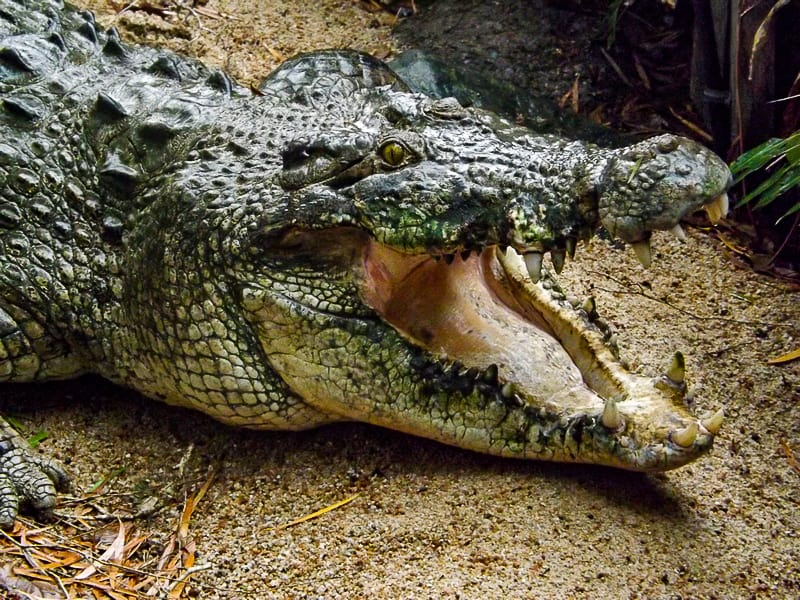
(611, 417)
(533, 261)
(557, 255)
(507, 390)
(613, 345)
(677, 368)
(714, 422)
(642, 250)
(717, 209)
(678, 232)
(685, 437)
(590, 307)
(490, 374)
(570, 245)
(465, 254)
(449, 258)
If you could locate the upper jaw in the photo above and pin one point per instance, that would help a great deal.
(654, 184)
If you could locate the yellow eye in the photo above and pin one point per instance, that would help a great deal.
(393, 154)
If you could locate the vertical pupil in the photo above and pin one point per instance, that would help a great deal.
(393, 154)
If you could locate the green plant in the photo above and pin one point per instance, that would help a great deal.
(615, 8)
(780, 154)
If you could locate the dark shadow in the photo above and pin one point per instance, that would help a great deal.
(355, 452)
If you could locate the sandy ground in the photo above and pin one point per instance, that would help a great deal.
(432, 521)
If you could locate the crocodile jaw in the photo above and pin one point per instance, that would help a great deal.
(485, 310)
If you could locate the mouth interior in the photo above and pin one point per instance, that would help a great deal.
(468, 311)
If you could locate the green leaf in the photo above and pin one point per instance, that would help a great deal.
(755, 158)
(37, 438)
(769, 154)
(758, 157)
(791, 211)
(793, 153)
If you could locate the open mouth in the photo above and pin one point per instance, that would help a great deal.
(497, 311)
(473, 310)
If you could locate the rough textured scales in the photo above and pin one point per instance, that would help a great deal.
(334, 247)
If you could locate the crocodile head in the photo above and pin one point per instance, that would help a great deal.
(410, 291)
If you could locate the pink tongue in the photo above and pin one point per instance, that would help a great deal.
(451, 310)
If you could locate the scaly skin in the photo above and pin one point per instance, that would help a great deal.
(335, 247)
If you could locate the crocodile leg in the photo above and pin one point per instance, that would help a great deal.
(28, 353)
(25, 476)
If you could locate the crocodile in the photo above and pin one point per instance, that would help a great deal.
(327, 246)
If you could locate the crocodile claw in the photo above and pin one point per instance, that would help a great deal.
(25, 477)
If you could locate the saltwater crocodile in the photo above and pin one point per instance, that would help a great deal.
(329, 247)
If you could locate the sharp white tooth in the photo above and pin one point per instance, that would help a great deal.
(590, 306)
(557, 256)
(686, 437)
(678, 232)
(642, 250)
(533, 261)
(611, 417)
(722, 202)
(717, 208)
(677, 368)
(714, 422)
(570, 245)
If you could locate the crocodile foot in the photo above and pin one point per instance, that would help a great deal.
(26, 477)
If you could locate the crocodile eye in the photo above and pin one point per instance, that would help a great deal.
(393, 154)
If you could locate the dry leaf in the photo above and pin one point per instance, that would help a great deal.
(24, 587)
(113, 553)
(761, 34)
(793, 355)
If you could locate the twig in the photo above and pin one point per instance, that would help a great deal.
(319, 512)
(616, 68)
(185, 575)
(790, 456)
(696, 129)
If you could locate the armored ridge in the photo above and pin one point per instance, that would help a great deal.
(334, 247)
